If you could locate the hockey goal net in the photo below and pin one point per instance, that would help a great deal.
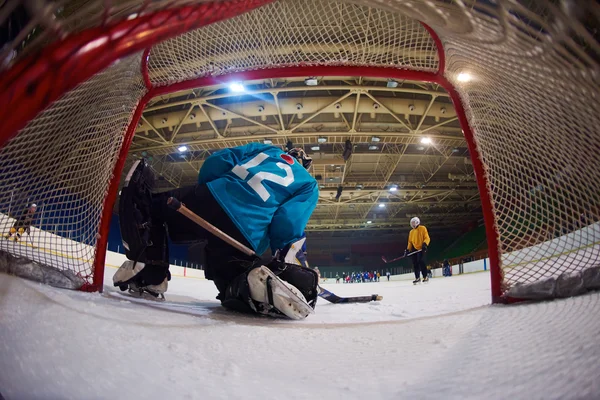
(76, 75)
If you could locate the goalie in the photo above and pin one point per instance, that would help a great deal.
(257, 194)
(22, 224)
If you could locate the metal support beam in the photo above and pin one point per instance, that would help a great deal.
(210, 121)
(274, 94)
(209, 97)
(176, 131)
(440, 124)
(240, 116)
(388, 111)
(392, 167)
(154, 129)
(426, 112)
(355, 112)
(320, 111)
(137, 137)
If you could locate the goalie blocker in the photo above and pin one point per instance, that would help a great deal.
(282, 287)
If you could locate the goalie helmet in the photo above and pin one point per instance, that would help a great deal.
(300, 155)
(414, 222)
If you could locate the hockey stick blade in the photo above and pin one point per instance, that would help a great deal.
(335, 299)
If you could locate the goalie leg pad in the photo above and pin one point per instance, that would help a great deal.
(304, 279)
(273, 296)
(260, 291)
(144, 238)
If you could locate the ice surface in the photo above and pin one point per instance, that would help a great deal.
(440, 340)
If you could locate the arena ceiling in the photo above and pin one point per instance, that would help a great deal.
(409, 156)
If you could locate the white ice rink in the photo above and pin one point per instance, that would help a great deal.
(437, 341)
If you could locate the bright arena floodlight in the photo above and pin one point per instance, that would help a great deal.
(369, 222)
(182, 149)
(393, 188)
(237, 87)
(381, 205)
(464, 77)
(426, 140)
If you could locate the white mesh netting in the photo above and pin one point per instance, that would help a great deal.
(533, 104)
(292, 33)
(63, 162)
(532, 101)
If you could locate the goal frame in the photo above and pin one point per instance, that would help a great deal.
(31, 85)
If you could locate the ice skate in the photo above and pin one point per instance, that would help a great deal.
(418, 280)
(426, 279)
(137, 278)
(150, 292)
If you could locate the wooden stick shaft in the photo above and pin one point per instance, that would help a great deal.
(401, 257)
(182, 209)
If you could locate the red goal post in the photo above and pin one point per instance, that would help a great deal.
(66, 91)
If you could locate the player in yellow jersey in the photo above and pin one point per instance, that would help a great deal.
(418, 239)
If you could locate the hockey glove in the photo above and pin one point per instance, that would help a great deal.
(424, 248)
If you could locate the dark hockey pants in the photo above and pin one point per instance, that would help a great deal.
(223, 261)
(419, 264)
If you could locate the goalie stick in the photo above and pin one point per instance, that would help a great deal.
(385, 260)
(324, 293)
(333, 298)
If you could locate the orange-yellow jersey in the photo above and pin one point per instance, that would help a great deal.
(417, 237)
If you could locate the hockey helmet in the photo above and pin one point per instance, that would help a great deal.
(300, 155)
(414, 222)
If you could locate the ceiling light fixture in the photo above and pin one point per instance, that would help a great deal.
(237, 87)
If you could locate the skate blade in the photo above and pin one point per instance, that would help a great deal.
(146, 295)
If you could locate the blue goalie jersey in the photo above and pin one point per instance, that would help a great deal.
(266, 193)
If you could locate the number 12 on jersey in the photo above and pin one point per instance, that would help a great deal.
(256, 182)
